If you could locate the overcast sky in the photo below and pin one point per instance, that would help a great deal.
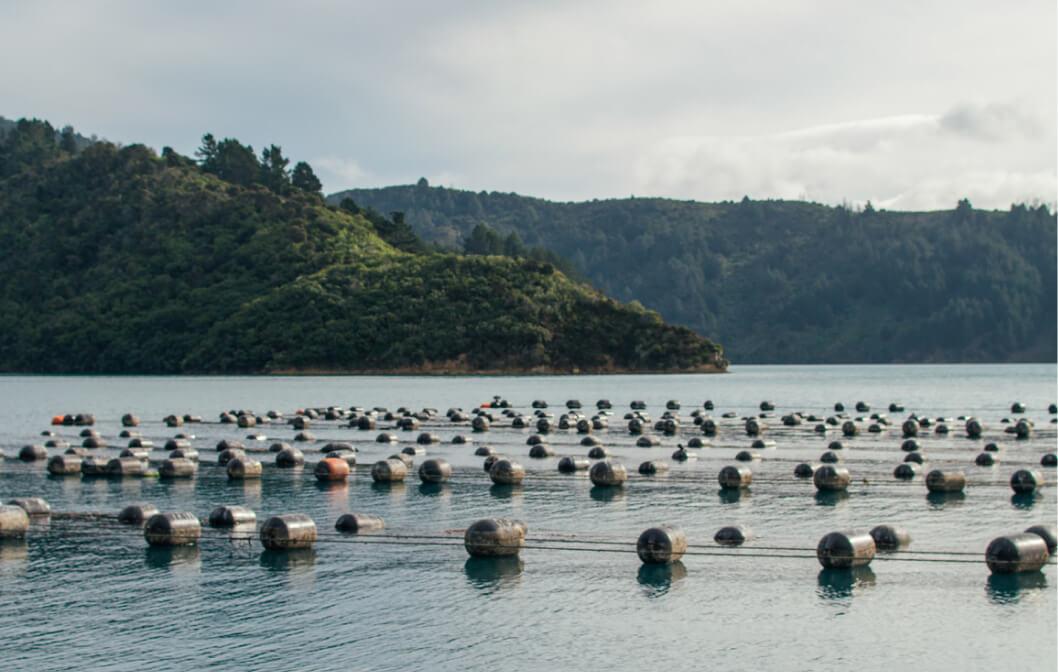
(912, 105)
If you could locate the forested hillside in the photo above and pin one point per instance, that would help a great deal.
(786, 281)
(115, 259)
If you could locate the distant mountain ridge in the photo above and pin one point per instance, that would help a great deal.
(788, 281)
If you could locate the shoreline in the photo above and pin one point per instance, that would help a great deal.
(433, 372)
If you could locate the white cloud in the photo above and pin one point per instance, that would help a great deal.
(337, 170)
(915, 161)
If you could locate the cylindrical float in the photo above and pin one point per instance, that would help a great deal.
(229, 444)
(985, 459)
(178, 467)
(1023, 430)
(243, 468)
(661, 545)
(136, 514)
(33, 506)
(1026, 480)
(231, 516)
(32, 453)
(541, 450)
(652, 467)
(126, 466)
(910, 428)
(288, 531)
(889, 537)
(184, 453)
(906, 471)
(492, 459)
(568, 465)
(331, 469)
(831, 478)
(506, 472)
(94, 465)
(845, 550)
(64, 465)
(358, 522)
(389, 471)
(435, 470)
(171, 444)
(945, 481)
(733, 477)
(289, 457)
(14, 522)
(1047, 533)
(608, 474)
(732, 535)
(172, 529)
(1016, 553)
(495, 537)
(226, 456)
(137, 453)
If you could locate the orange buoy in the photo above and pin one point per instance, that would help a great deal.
(56, 419)
(332, 469)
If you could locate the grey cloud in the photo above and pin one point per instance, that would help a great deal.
(567, 100)
(992, 122)
(907, 162)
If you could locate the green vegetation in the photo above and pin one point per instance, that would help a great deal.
(788, 282)
(117, 260)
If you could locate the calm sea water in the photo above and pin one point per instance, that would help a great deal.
(90, 594)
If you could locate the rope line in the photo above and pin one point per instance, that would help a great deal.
(576, 544)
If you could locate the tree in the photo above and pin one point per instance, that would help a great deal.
(422, 183)
(513, 245)
(274, 174)
(207, 153)
(349, 205)
(175, 159)
(236, 162)
(68, 140)
(30, 142)
(304, 178)
(483, 240)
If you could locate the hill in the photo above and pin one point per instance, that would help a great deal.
(117, 260)
(786, 281)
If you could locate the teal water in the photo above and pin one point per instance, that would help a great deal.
(90, 595)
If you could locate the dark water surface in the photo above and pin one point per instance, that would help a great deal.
(84, 594)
